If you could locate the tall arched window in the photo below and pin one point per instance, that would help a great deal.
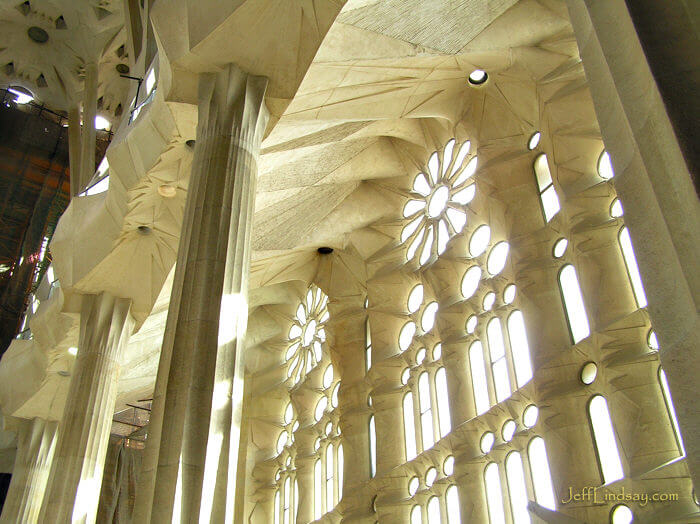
(433, 511)
(452, 503)
(494, 494)
(632, 268)
(409, 427)
(671, 410)
(573, 303)
(541, 476)
(517, 488)
(372, 447)
(443, 403)
(426, 411)
(519, 348)
(499, 365)
(604, 440)
(416, 517)
(548, 195)
(478, 374)
(368, 346)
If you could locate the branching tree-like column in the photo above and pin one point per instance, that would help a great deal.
(652, 180)
(36, 443)
(73, 488)
(189, 470)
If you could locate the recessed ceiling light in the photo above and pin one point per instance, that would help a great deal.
(167, 191)
(38, 35)
(191, 143)
(122, 69)
(325, 250)
(478, 77)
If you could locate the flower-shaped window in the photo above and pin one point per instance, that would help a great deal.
(307, 334)
(437, 212)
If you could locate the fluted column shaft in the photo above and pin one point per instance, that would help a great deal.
(661, 207)
(189, 471)
(74, 148)
(88, 137)
(36, 443)
(73, 489)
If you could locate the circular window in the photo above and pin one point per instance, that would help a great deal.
(534, 140)
(480, 240)
(605, 169)
(589, 371)
(288, 413)
(621, 514)
(420, 356)
(486, 443)
(448, 467)
(470, 281)
(427, 321)
(320, 408)
(530, 416)
(415, 298)
(560, 247)
(509, 294)
(471, 323)
(652, 341)
(489, 300)
(497, 258)
(478, 77)
(437, 351)
(508, 430)
(406, 335)
(328, 377)
(413, 486)
(430, 477)
(405, 375)
(616, 210)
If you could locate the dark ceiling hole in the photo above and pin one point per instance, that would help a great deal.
(100, 102)
(325, 250)
(61, 23)
(38, 34)
(41, 81)
(118, 110)
(10, 69)
(101, 13)
(122, 69)
(144, 230)
(24, 8)
(121, 51)
(190, 143)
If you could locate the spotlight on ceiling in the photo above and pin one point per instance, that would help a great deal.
(22, 95)
(167, 191)
(325, 250)
(38, 35)
(478, 77)
(102, 123)
(73, 350)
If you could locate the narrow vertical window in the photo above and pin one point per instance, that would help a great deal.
(409, 427)
(443, 403)
(426, 411)
(287, 497)
(433, 511)
(368, 346)
(671, 410)
(296, 501)
(478, 373)
(372, 447)
(416, 517)
(517, 488)
(494, 495)
(548, 195)
(341, 470)
(499, 366)
(330, 466)
(604, 440)
(318, 490)
(632, 268)
(453, 514)
(573, 303)
(541, 476)
(277, 509)
(520, 348)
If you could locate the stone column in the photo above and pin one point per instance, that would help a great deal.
(652, 180)
(189, 470)
(74, 149)
(88, 137)
(36, 443)
(73, 489)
